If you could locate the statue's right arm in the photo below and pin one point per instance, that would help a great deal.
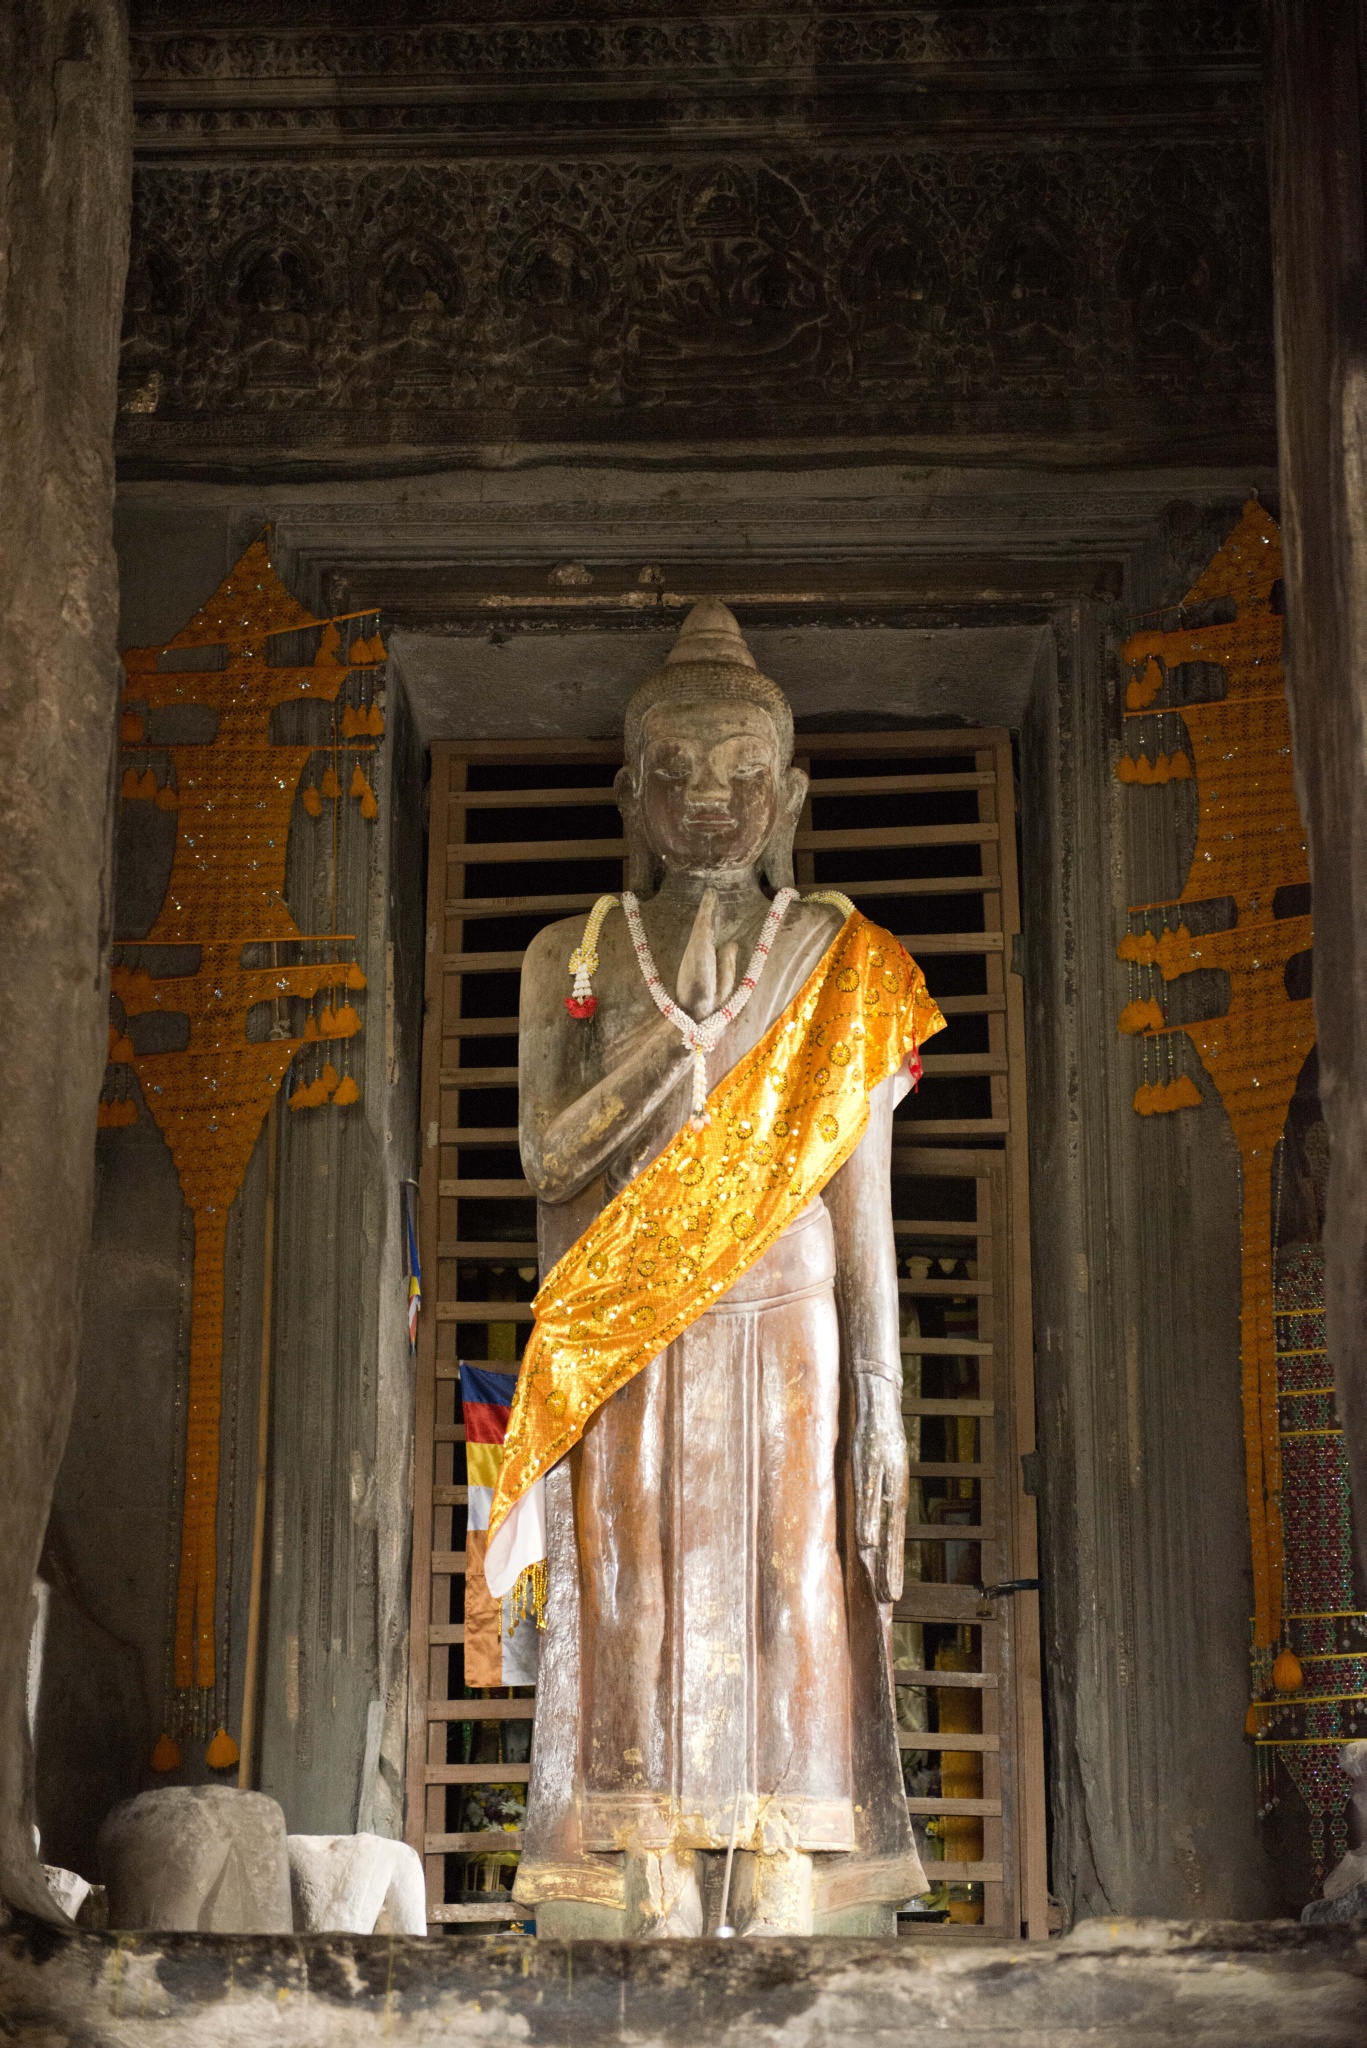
(574, 1117)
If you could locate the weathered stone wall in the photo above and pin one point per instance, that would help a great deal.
(65, 126)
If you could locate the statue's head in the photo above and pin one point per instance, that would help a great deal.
(708, 787)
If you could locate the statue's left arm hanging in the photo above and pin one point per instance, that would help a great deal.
(859, 1198)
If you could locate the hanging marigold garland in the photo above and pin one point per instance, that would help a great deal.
(1250, 845)
(232, 797)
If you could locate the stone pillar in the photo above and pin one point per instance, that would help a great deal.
(65, 153)
(1319, 243)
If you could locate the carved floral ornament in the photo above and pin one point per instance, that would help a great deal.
(764, 39)
(595, 292)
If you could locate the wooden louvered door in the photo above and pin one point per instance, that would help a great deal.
(520, 835)
(919, 830)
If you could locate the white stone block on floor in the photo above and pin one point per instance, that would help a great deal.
(197, 1858)
(356, 1884)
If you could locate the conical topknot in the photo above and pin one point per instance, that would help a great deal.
(710, 633)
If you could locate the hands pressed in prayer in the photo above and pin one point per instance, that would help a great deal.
(707, 972)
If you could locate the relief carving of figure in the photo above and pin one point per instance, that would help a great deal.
(705, 1473)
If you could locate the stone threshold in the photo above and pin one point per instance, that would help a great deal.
(1108, 1984)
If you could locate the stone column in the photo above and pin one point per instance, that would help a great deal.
(65, 155)
(1319, 244)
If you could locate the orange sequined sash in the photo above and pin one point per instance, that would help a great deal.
(785, 1118)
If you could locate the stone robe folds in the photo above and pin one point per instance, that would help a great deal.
(714, 1652)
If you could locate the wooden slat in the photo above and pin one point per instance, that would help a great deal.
(457, 1916)
(478, 1077)
(946, 1532)
(445, 1632)
(961, 1873)
(516, 1252)
(933, 1289)
(471, 853)
(915, 1226)
(483, 963)
(957, 1126)
(933, 1806)
(937, 1064)
(948, 1347)
(976, 1681)
(487, 1190)
(919, 1469)
(478, 1134)
(481, 1710)
(471, 907)
(503, 1843)
(485, 1312)
(922, 1601)
(949, 942)
(817, 746)
(476, 1774)
(449, 1497)
(506, 1027)
(884, 838)
(601, 798)
(447, 1562)
(918, 1404)
(888, 785)
(917, 1738)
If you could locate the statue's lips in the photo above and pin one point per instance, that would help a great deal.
(710, 821)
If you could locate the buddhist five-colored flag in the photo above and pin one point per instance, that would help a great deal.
(499, 1650)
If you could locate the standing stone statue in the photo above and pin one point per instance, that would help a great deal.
(705, 1477)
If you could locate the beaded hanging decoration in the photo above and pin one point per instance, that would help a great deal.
(701, 1038)
(1311, 1698)
(232, 797)
(1250, 844)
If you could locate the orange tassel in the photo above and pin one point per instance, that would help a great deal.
(369, 807)
(1287, 1674)
(1179, 767)
(359, 785)
(313, 803)
(327, 1081)
(130, 789)
(1144, 1104)
(1125, 768)
(374, 724)
(120, 1048)
(1142, 691)
(168, 799)
(1143, 771)
(1139, 946)
(329, 785)
(147, 788)
(352, 722)
(346, 1023)
(311, 1030)
(1183, 1093)
(360, 653)
(326, 657)
(347, 1092)
(377, 648)
(166, 1755)
(1141, 1016)
(132, 731)
(327, 1023)
(1255, 1720)
(354, 976)
(222, 1752)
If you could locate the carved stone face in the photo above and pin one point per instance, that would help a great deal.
(709, 784)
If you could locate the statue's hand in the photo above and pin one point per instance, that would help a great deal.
(880, 1482)
(697, 985)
